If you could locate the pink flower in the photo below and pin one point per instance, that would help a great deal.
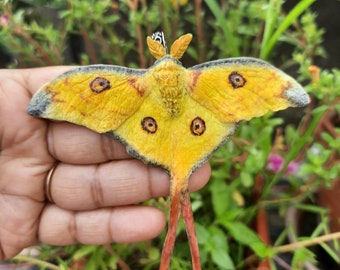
(4, 20)
(275, 163)
(292, 168)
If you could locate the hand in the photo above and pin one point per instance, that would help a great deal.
(95, 184)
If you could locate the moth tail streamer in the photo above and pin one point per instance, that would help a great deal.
(191, 232)
(180, 204)
(169, 243)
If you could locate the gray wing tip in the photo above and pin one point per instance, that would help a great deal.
(39, 103)
(298, 96)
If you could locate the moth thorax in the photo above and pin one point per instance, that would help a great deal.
(172, 99)
(170, 91)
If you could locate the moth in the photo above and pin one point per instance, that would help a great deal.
(168, 115)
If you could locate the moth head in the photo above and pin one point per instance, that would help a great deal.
(158, 49)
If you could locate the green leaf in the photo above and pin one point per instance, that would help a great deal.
(223, 22)
(301, 256)
(220, 200)
(273, 12)
(217, 247)
(63, 266)
(202, 234)
(153, 253)
(84, 251)
(218, 238)
(222, 259)
(241, 233)
(288, 20)
(246, 178)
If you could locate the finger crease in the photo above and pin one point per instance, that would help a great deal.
(107, 146)
(110, 232)
(97, 189)
(23, 196)
(149, 188)
(72, 228)
(50, 140)
(2, 251)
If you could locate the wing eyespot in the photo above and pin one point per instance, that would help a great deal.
(197, 126)
(236, 80)
(149, 125)
(100, 84)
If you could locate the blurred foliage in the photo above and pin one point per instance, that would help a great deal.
(243, 185)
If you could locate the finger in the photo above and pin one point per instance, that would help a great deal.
(113, 183)
(34, 78)
(121, 224)
(200, 177)
(75, 144)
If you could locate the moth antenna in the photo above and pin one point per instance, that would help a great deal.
(158, 48)
(159, 37)
(157, 45)
(180, 45)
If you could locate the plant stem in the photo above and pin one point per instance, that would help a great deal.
(122, 264)
(224, 24)
(35, 261)
(21, 31)
(133, 4)
(89, 46)
(308, 242)
(102, 42)
(116, 48)
(200, 37)
(292, 247)
(140, 42)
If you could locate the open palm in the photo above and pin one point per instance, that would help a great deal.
(96, 184)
